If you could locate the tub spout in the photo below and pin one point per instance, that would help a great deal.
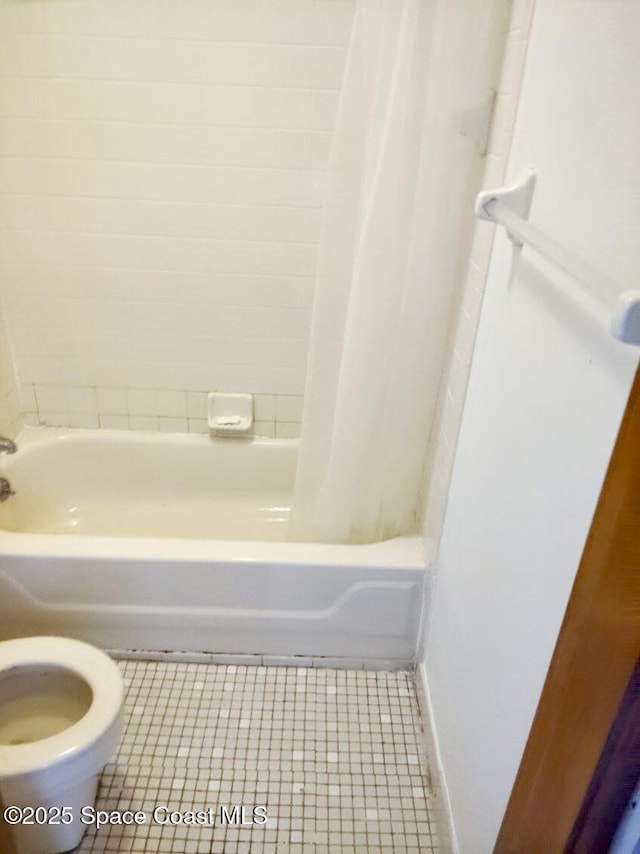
(7, 446)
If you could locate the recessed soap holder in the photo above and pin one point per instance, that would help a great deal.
(229, 414)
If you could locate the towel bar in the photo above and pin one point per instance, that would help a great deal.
(509, 207)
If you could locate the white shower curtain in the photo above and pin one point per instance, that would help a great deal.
(387, 260)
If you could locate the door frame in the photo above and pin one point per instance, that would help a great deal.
(591, 667)
(615, 777)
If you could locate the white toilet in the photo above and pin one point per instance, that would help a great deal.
(60, 723)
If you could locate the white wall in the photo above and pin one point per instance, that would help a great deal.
(161, 168)
(546, 394)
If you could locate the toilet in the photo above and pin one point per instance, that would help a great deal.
(60, 722)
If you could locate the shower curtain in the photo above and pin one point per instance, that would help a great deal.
(386, 266)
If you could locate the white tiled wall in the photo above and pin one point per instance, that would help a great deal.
(171, 410)
(161, 171)
(10, 421)
(454, 383)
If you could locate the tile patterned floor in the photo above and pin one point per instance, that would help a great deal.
(335, 757)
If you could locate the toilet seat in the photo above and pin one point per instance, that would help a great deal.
(96, 732)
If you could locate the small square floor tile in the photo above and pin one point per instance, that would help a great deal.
(231, 758)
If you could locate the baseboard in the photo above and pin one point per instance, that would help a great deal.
(426, 710)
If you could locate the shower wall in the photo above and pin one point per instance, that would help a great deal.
(10, 420)
(468, 297)
(161, 180)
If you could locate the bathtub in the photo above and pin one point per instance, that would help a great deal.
(176, 544)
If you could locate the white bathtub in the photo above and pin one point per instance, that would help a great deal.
(139, 541)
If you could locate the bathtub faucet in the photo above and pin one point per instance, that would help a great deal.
(7, 446)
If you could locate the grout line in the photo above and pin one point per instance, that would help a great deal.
(267, 660)
(48, 34)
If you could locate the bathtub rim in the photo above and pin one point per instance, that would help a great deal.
(31, 436)
(401, 552)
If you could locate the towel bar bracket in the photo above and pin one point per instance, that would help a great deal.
(517, 197)
(625, 320)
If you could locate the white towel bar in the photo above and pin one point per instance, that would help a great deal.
(509, 207)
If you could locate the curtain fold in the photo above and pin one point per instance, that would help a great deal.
(386, 265)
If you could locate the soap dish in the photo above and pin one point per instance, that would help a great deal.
(229, 414)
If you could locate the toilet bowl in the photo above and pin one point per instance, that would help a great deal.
(60, 722)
